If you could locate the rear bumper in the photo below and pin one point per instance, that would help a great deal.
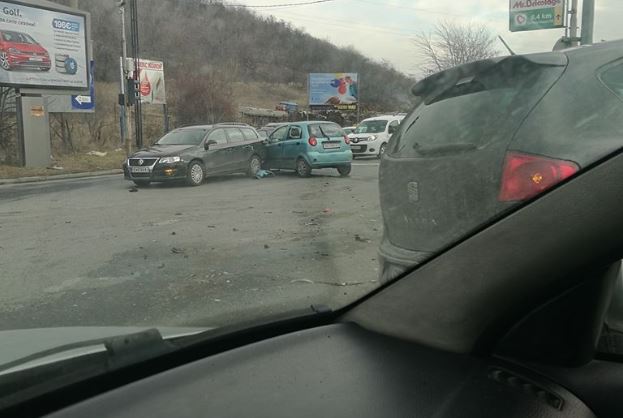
(329, 159)
(159, 173)
(396, 260)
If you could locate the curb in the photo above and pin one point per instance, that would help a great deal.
(36, 179)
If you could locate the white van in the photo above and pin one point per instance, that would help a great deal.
(372, 134)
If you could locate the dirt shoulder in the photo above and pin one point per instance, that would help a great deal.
(75, 163)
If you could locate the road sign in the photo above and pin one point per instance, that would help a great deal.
(536, 14)
(82, 101)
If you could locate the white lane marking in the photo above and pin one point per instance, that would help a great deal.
(374, 164)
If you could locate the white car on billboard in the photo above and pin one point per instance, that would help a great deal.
(371, 136)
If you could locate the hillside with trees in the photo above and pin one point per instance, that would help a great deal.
(213, 55)
(212, 45)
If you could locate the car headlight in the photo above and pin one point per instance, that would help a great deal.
(372, 138)
(169, 160)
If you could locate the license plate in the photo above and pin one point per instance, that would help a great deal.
(36, 59)
(356, 147)
(330, 145)
(139, 169)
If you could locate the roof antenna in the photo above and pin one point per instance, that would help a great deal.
(506, 45)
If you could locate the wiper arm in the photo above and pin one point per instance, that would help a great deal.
(119, 350)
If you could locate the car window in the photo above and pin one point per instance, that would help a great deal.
(218, 135)
(279, 134)
(295, 132)
(183, 137)
(235, 135)
(371, 127)
(485, 108)
(331, 130)
(613, 79)
(249, 134)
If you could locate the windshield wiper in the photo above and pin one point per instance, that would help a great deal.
(119, 350)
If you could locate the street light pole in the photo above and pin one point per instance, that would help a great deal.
(588, 21)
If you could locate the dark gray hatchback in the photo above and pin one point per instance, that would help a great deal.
(191, 153)
(489, 135)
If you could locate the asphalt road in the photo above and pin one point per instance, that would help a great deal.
(89, 252)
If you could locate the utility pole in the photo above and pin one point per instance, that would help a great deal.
(125, 132)
(138, 114)
(573, 24)
(588, 21)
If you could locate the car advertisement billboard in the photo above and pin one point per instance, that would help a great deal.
(151, 81)
(333, 90)
(41, 47)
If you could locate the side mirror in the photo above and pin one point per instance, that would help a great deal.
(392, 129)
(209, 143)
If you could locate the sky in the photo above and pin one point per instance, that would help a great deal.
(384, 29)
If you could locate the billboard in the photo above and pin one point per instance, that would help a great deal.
(80, 103)
(151, 78)
(536, 14)
(41, 47)
(333, 90)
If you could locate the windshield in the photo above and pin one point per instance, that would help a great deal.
(371, 127)
(17, 37)
(202, 177)
(183, 137)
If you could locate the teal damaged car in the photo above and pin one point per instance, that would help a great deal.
(308, 145)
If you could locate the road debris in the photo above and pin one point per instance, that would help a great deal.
(302, 281)
(133, 189)
(97, 153)
(176, 250)
(360, 239)
(266, 246)
(173, 233)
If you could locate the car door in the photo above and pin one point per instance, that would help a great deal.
(251, 141)
(236, 150)
(216, 151)
(293, 146)
(274, 147)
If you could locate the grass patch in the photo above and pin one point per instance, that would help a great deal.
(74, 163)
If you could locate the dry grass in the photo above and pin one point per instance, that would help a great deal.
(75, 163)
(266, 95)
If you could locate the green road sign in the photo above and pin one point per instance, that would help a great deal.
(536, 14)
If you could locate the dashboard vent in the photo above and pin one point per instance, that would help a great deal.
(521, 384)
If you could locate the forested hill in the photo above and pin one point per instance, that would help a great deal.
(228, 44)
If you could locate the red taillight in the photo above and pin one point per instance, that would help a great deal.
(346, 139)
(526, 176)
(312, 141)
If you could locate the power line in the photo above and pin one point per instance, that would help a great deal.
(270, 6)
(417, 9)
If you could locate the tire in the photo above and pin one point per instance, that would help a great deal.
(381, 150)
(196, 174)
(344, 170)
(303, 169)
(141, 183)
(255, 165)
(4, 61)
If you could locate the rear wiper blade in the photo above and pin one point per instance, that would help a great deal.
(119, 351)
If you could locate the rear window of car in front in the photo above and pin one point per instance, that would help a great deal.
(249, 134)
(326, 130)
(613, 79)
(475, 111)
(235, 135)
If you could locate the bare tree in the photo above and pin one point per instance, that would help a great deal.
(450, 44)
